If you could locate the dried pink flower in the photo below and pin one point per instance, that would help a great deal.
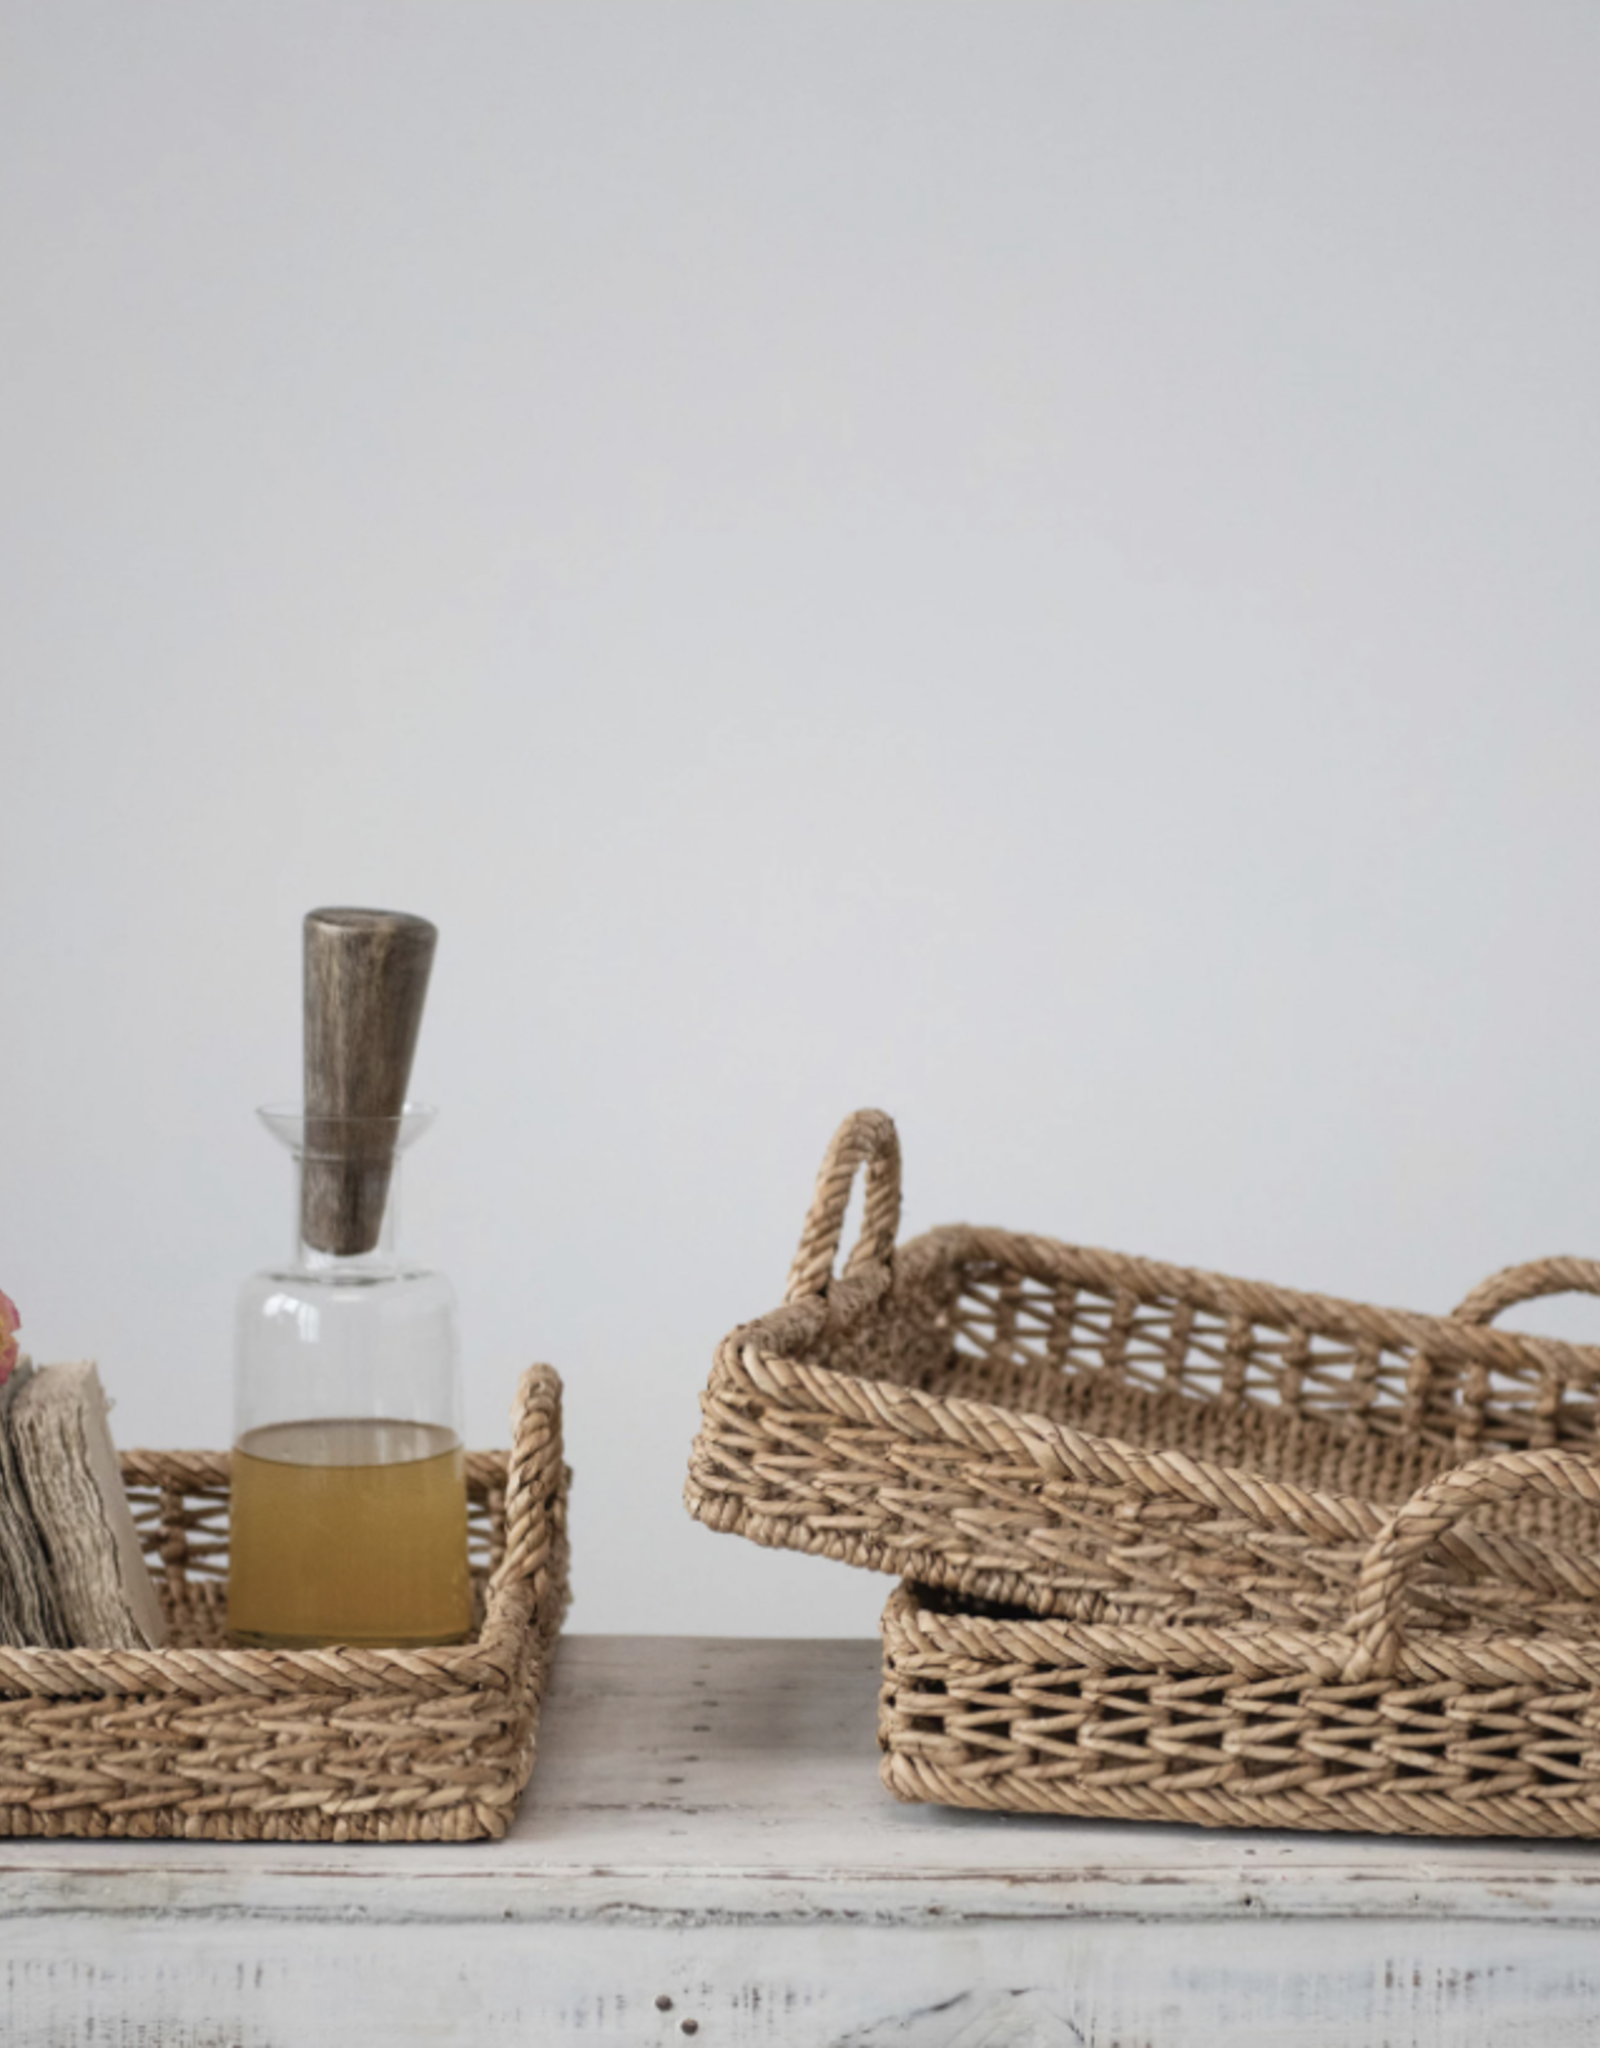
(10, 1324)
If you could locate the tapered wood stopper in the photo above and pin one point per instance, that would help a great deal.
(366, 979)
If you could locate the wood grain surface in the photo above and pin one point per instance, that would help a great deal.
(366, 980)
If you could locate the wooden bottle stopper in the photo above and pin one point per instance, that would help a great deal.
(366, 979)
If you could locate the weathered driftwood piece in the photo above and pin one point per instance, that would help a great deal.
(30, 1608)
(366, 980)
(61, 1439)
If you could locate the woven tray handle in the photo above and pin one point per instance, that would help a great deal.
(868, 1138)
(534, 1476)
(1527, 1283)
(1375, 1621)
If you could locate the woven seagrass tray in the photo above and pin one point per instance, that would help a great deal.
(1389, 1724)
(339, 1745)
(1104, 1438)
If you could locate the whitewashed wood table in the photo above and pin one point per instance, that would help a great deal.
(705, 1852)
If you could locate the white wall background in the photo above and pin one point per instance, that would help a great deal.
(1032, 565)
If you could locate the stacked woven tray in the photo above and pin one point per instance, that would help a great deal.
(1175, 1546)
(342, 1744)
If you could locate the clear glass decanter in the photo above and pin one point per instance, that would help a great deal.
(349, 1517)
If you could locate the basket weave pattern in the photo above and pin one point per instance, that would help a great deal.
(1103, 1438)
(340, 1744)
(1379, 1726)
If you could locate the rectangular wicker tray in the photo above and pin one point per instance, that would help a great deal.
(1110, 1439)
(342, 1745)
(1387, 1726)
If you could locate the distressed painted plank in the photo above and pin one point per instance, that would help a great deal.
(148, 1982)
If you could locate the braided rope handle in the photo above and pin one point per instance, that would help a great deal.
(533, 1478)
(1432, 1510)
(868, 1138)
(1528, 1283)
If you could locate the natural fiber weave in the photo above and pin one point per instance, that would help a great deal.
(1386, 1725)
(1110, 1439)
(341, 1744)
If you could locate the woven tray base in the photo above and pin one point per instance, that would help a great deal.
(1235, 1727)
(200, 1741)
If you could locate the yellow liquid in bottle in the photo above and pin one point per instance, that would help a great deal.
(349, 1532)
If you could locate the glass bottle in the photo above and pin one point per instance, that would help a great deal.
(348, 1520)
